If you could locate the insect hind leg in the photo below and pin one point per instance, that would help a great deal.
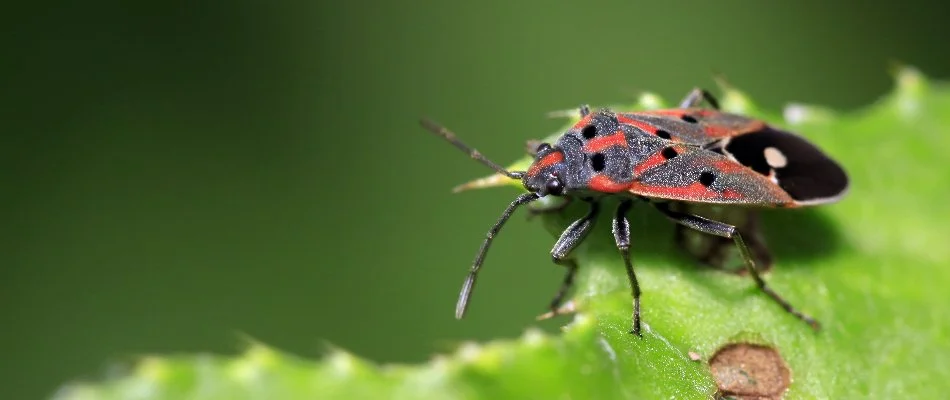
(720, 252)
(725, 230)
(621, 230)
(696, 97)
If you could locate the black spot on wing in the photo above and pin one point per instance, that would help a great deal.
(598, 162)
(707, 178)
(668, 153)
(589, 131)
(808, 174)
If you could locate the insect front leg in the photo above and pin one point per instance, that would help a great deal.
(696, 96)
(728, 231)
(570, 238)
(621, 229)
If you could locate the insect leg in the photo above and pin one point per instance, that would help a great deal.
(469, 284)
(696, 96)
(571, 237)
(531, 146)
(728, 231)
(621, 231)
(717, 251)
(760, 252)
(584, 110)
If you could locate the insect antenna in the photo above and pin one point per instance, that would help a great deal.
(469, 284)
(451, 138)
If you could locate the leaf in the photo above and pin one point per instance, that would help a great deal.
(872, 268)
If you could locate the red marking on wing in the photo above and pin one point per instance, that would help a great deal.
(731, 167)
(652, 161)
(731, 194)
(584, 121)
(600, 143)
(734, 168)
(670, 113)
(637, 123)
(679, 112)
(545, 162)
(693, 191)
(719, 131)
(604, 184)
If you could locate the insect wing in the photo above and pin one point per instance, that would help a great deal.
(693, 174)
(796, 165)
(690, 126)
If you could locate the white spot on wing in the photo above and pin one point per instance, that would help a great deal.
(775, 158)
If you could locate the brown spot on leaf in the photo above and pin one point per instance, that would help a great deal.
(749, 371)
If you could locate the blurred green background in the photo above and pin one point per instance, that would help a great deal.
(179, 174)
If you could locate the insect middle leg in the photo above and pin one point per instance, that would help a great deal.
(696, 96)
(570, 238)
(621, 229)
(728, 231)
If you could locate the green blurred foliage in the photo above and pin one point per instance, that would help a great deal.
(878, 295)
(177, 174)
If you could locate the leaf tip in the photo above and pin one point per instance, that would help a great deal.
(248, 368)
(469, 352)
(733, 99)
(910, 87)
(342, 362)
(533, 337)
(650, 101)
(797, 114)
(483, 183)
(153, 369)
(580, 321)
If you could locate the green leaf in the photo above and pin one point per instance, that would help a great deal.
(872, 269)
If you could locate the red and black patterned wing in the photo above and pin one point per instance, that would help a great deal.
(692, 174)
(796, 165)
(691, 125)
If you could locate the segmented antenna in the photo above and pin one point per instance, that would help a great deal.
(451, 138)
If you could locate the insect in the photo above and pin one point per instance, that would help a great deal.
(667, 158)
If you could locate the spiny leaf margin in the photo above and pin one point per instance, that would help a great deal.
(596, 357)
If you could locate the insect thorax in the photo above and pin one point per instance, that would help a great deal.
(608, 152)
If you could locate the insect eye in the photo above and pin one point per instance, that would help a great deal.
(543, 147)
(553, 186)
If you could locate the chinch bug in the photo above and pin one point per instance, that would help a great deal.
(668, 158)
